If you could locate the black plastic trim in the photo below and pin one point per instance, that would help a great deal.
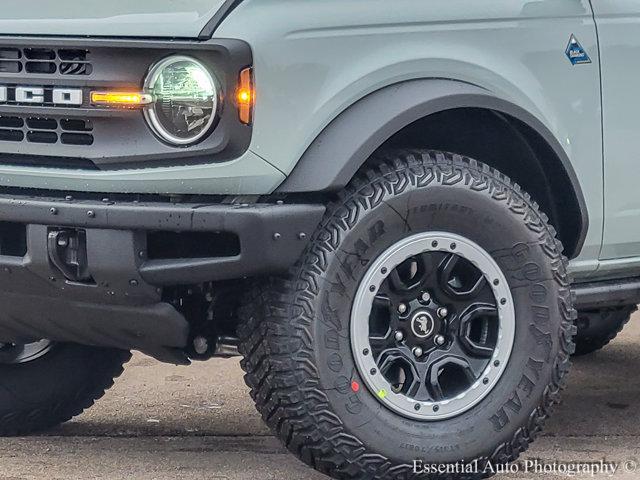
(350, 139)
(272, 236)
(213, 24)
(122, 305)
(607, 293)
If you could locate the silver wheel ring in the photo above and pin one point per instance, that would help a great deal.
(361, 311)
(30, 352)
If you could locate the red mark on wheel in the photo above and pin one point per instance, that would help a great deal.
(355, 386)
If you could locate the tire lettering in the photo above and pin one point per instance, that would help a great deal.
(335, 362)
(538, 293)
(376, 231)
(500, 419)
(332, 340)
(541, 314)
(535, 367)
(542, 339)
(526, 385)
(354, 406)
(514, 404)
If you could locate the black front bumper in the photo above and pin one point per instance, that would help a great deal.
(121, 306)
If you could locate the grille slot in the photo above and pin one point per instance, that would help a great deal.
(76, 139)
(7, 66)
(36, 136)
(46, 61)
(10, 53)
(42, 123)
(67, 131)
(11, 135)
(76, 125)
(40, 53)
(11, 122)
(41, 67)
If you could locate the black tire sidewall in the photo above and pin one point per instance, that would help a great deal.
(522, 250)
(56, 386)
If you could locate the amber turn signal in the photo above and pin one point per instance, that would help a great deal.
(121, 99)
(246, 96)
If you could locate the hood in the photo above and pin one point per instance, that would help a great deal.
(107, 18)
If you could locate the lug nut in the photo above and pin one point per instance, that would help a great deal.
(443, 312)
(426, 297)
(399, 336)
(417, 352)
(440, 340)
(402, 308)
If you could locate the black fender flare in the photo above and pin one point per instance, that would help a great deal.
(353, 136)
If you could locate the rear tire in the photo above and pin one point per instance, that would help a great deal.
(296, 331)
(41, 393)
(597, 328)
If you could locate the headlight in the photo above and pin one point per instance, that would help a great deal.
(185, 100)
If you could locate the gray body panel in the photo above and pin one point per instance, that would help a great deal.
(619, 34)
(315, 59)
(114, 18)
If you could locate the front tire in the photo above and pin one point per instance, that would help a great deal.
(297, 335)
(43, 386)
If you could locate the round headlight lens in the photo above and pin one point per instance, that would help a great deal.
(185, 100)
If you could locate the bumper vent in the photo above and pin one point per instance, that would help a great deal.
(67, 131)
(64, 61)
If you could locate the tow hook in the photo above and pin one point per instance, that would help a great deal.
(68, 253)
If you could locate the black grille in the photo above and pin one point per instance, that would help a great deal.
(67, 131)
(65, 61)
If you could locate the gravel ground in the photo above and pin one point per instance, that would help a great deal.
(199, 423)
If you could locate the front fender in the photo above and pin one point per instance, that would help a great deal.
(349, 140)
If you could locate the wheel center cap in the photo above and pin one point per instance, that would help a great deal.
(423, 324)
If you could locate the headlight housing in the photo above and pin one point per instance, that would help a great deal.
(185, 100)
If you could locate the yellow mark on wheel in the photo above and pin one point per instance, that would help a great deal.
(382, 393)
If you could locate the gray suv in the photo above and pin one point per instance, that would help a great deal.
(377, 203)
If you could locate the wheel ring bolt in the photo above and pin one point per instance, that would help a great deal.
(399, 336)
(402, 308)
(426, 297)
(443, 312)
(417, 352)
(439, 340)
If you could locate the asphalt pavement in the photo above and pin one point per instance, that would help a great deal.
(198, 422)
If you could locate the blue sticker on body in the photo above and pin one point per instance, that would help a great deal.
(575, 53)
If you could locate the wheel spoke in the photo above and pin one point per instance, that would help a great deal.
(382, 317)
(478, 330)
(407, 277)
(396, 282)
(449, 376)
(477, 364)
(459, 279)
(398, 369)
